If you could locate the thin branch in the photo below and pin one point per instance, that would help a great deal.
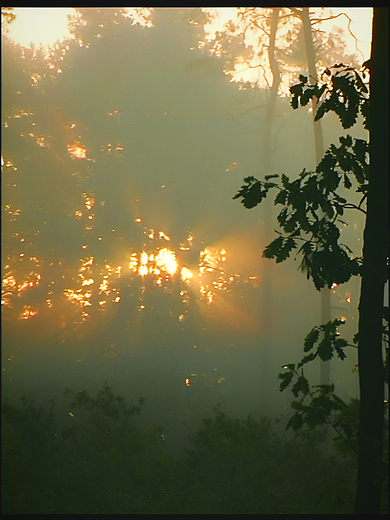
(352, 206)
(330, 422)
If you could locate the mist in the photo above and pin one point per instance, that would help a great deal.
(125, 259)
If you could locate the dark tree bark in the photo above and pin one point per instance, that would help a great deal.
(374, 275)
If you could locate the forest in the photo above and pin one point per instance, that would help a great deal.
(148, 336)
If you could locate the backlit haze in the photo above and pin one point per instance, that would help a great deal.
(125, 258)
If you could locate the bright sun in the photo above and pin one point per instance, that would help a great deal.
(39, 25)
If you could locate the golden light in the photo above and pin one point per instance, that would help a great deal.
(24, 285)
(144, 258)
(89, 202)
(77, 151)
(143, 270)
(166, 260)
(232, 166)
(28, 312)
(103, 287)
(139, 15)
(256, 69)
(78, 296)
(9, 281)
(133, 262)
(8, 288)
(161, 234)
(40, 25)
(186, 274)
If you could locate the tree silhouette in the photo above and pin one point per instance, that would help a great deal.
(326, 261)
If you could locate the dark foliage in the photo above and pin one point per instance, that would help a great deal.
(312, 204)
(312, 208)
(106, 464)
(344, 92)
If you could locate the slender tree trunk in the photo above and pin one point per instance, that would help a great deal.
(374, 275)
(311, 63)
(267, 165)
(319, 153)
(266, 295)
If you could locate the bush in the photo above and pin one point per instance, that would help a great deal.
(106, 464)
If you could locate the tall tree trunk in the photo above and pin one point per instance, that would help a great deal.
(375, 250)
(267, 309)
(269, 119)
(319, 153)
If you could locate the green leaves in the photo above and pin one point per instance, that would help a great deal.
(319, 404)
(329, 265)
(351, 157)
(301, 386)
(286, 379)
(344, 92)
(310, 339)
(311, 208)
(255, 191)
(280, 248)
(330, 342)
(302, 92)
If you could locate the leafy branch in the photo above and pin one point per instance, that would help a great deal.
(311, 209)
(344, 92)
(325, 406)
(312, 205)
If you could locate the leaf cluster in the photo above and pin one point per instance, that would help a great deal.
(106, 403)
(324, 405)
(344, 92)
(319, 405)
(311, 209)
(330, 343)
(254, 191)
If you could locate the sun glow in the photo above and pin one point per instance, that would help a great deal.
(28, 312)
(186, 274)
(354, 23)
(166, 260)
(40, 25)
(77, 151)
